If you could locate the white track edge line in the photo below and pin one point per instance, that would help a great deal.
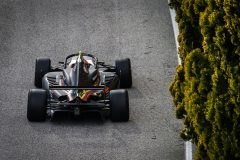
(188, 144)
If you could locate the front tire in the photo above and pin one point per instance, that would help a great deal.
(42, 66)
(36, 108)
(119, 105)
(123, 70)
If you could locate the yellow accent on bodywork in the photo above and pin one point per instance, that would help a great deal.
(83, 93)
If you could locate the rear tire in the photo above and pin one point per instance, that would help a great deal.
(36, 108)
(42, 66)
(123, 70)
(119, 105)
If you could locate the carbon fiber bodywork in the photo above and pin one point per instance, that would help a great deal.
(69, 90)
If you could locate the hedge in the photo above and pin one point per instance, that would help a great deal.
(206, 87)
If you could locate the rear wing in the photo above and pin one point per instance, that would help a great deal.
(76, 87)
(89, 88)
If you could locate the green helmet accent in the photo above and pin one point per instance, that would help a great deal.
(80, 55)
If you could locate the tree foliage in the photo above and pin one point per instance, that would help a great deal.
(206, 88)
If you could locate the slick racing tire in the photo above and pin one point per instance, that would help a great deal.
(123, 70)
(119, 105)
(42, 66)
(36, 107)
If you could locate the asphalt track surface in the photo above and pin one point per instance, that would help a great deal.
(110, 29)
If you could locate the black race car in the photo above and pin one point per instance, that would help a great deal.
(80, 84)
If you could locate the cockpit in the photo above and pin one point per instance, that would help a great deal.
(81, 70)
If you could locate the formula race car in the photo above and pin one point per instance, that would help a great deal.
(80, 84)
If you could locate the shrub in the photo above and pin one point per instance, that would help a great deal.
(206, 88)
